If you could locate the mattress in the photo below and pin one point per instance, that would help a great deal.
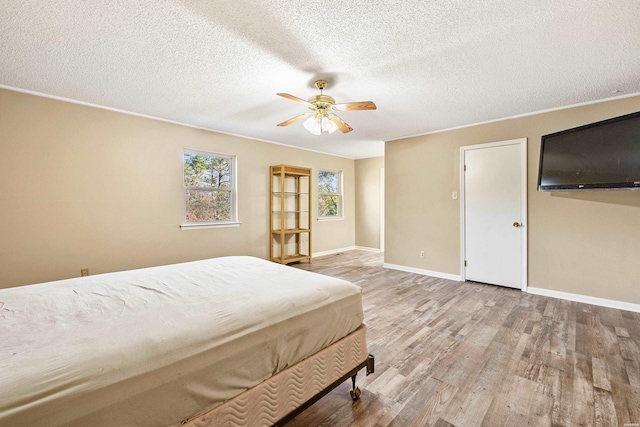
(161, 345)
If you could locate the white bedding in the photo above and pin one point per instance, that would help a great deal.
(157, 346)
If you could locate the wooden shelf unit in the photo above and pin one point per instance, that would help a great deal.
(290, 214)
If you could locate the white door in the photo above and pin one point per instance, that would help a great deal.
(494, 200)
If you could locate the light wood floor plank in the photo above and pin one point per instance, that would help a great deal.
(451, 354)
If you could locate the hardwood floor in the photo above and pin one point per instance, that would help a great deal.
(465, 354)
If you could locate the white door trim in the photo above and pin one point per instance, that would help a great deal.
(382, 203)
(522, 142)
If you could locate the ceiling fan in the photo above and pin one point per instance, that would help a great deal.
(321, 118)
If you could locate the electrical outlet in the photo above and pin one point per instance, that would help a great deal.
(422, 254)
(84, 272)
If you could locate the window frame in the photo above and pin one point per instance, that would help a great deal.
(233, 191)
(340, 194)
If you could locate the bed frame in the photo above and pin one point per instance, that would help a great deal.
(282, 397)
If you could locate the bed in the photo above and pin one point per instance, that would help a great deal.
(224, 341)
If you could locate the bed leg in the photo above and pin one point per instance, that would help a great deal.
(369, 364)
(355, 391)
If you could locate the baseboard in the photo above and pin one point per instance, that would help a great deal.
(366, 249)
(332, 251)
(621, 305)
(348, 248)
(438, 274)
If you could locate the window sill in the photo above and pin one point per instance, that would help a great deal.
(198, 226)
(331, 218)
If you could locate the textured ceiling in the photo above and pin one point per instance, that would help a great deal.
(428, 65)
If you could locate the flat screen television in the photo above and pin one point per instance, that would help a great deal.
(598, 156)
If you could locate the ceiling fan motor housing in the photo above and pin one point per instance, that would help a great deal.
(322, 102)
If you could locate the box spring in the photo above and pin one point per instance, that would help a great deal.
(277, 397)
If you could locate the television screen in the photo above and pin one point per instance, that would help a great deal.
(598, 156)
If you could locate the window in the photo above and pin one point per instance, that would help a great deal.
(209, 188)
(329, 194)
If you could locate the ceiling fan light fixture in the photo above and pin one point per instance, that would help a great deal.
(327, 125)
(317, 126)
(312, 125)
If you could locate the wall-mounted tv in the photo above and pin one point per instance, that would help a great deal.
(598, 156)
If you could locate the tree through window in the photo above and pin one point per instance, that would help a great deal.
(209, 187)
(329, 194)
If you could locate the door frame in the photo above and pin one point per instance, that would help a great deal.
(522, 142)
(382, 204)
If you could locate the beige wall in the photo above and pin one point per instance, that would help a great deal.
(86, 187)
(368, 202)
(585, 243)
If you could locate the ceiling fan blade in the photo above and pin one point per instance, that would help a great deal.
(344, 127)
(295, 119)
(296, 99)
(352, 106)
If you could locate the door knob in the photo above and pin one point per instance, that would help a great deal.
(517, 224)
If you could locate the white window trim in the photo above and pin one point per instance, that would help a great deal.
(235, 221)
(340, 215)
(200, 225)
